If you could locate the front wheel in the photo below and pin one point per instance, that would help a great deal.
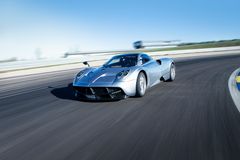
(172, 72)
(141, 85)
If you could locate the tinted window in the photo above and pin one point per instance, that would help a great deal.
(122, 61)
(145, 58)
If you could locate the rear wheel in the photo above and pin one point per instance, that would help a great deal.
(141, 85)
(172, 72)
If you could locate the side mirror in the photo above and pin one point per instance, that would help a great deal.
(86, 63)
(159, 62)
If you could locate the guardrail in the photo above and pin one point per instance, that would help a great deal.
(76, 58)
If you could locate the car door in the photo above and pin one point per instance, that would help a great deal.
(151, 67)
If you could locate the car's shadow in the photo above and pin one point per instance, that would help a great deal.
(68, 93)
(64, 92)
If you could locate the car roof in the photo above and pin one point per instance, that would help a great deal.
(130, 54)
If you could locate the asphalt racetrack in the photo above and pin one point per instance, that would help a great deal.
(192, 118)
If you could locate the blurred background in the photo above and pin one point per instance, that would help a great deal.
(45, 29)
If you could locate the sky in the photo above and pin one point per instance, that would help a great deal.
(50, 28)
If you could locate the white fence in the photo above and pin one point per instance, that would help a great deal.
(78, 58)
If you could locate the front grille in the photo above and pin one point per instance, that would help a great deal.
(101, 92)
(83, 90)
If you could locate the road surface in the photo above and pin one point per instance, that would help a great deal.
(192, 118)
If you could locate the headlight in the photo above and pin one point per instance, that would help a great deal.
(80, 74)
(122, 74)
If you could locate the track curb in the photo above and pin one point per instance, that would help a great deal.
(238, 81)
(234, 87)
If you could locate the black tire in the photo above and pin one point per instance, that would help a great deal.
(141, 85)
(172, 73)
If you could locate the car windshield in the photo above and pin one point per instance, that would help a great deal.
(122, 61)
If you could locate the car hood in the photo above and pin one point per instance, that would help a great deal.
(98, 76)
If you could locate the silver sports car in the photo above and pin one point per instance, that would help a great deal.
(122, 76)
